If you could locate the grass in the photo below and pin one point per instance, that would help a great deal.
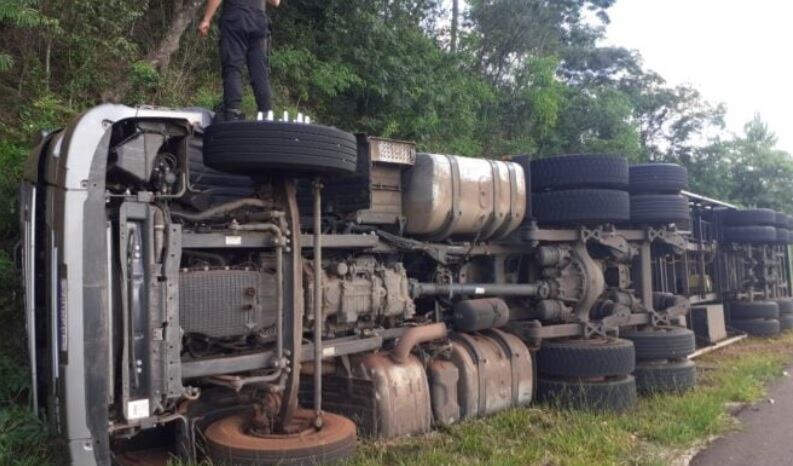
(657, 432)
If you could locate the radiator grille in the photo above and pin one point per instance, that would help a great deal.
(226, 303)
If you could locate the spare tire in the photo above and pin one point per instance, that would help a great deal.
(750, 217)
(751, 235)
(294, 149)
(657, 209)
(582, 207)
(658, 178)
(754, 310)
(579, 171)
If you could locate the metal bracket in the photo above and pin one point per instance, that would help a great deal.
(668, 237)
(619, 247)
(594, 328)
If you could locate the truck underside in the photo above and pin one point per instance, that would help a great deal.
(266, 292)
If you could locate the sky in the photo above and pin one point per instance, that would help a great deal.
(732, 51)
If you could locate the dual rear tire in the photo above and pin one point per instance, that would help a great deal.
(594, 190)
(758, 318)
(662, 364)
(589, 374)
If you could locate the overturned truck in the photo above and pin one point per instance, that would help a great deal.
(267, 292)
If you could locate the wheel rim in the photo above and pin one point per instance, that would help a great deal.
(234, 432)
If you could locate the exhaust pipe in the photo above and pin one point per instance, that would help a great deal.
(415, 336)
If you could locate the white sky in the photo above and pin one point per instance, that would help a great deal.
(733, 51)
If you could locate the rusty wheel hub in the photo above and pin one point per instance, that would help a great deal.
(237, 440)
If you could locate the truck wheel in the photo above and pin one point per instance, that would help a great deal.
(656, 209)
(785, 322)
(665, 377)
(785, 306)
(751, 234)
(663, 342)
(658, 178)
(596, 357)
(617, 394)
(754, 310)
(261, 147)
(750, 217)
(579, 171)
(781, 220)
(782, 235)
(582, 207)
(757, 327)
(230, 442)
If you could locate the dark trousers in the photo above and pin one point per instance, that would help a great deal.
(243, 31)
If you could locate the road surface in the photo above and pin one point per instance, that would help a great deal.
(765, 437)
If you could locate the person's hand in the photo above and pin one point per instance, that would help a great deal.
(203, 28)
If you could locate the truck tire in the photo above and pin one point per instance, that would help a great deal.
(261, 147)
(596, 357)
(582, 207)
(610, 395)
(785, 322)
(782, 235)
(666, 377)
(751, 234)
(785, 306)
(757, 327)
(579, 171)
(212, 187)
(229, 443)
(656, 209)
(663, 342)
(754, 310)
(658, 178)
(750, 217)
(781, 220)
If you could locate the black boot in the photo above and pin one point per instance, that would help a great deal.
(234, 115)
(221, 115)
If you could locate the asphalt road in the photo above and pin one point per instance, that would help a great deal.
(765, 437)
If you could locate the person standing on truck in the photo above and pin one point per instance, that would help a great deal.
(244, 29)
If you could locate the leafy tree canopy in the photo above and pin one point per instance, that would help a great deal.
(503, 77)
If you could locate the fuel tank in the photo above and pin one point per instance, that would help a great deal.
(485, 372)
(451, 196)
(384, 398)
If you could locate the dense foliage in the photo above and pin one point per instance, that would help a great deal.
(504, 77)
